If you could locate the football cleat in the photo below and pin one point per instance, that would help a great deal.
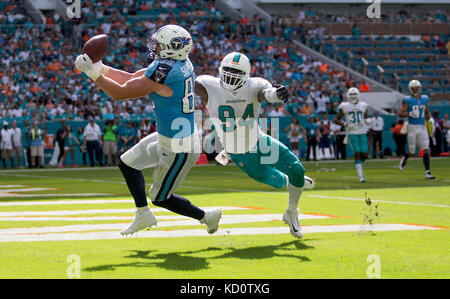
(309, 183)
(429, 176)
(401, 166)
(141, 220)
(211, 220)
(362, 179)
(291, 219)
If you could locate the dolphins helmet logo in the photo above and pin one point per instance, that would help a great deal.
(178, 43)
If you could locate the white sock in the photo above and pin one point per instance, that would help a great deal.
(359, 170)
(142, 209)
(294, 197)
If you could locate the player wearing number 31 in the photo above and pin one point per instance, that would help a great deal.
(175, 147)
(416, 110)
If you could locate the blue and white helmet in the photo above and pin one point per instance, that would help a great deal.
(234, 71)
(170, 42)
(414, 87)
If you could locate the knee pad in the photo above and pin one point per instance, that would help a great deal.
(296, 174)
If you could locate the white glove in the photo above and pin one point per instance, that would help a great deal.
(223, 158)
(414, 113)
(92, 70)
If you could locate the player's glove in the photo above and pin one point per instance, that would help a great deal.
(92, 70)
(282, 92)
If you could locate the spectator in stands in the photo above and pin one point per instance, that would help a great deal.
(339, 147)
(446, 125)
(61, 136)
(436, 147)
(377, 126)
(82, 144)
(294, 134)
(128, 135)
(399, 138)
(147, 128)
(37, 145)
(324, 128)
(92, 138)
(110, 142)
(27, 141)
(6, 145)
(307, 109)
(17, 142)
(311, 132)
(364, 87)
(69, 146)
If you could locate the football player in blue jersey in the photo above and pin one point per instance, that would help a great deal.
(416, 110)
(175, 147)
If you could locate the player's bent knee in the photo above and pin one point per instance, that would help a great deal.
(297, 175)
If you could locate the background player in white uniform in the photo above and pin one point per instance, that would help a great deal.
(234, 102)
(416, 109)
(171, 150)
(355, 112)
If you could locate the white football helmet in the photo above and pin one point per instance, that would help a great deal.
(170, 42)
(353, 95)
(414, 87)
(234, 71)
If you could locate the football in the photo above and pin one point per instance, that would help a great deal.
(96, 47)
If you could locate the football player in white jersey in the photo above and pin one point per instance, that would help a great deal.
(234, 102)
(355, 112)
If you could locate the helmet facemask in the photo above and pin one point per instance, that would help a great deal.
(415, 90)
(232, 78)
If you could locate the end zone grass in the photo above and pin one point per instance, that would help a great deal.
(402, 197)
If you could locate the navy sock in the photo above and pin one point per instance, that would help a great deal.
(405, 159)
(426, 161)
(135, 182)
(182, 206)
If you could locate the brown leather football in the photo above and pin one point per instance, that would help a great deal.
(96, 47)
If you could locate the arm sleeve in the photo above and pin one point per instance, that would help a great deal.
(158, 71)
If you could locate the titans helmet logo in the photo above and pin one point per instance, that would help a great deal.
(178, 43)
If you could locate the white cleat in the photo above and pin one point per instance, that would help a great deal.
(309, 183)
(211, 220)
(429, 176)
(400, 166)
(144, 219)
(291, 219)
(362, 179)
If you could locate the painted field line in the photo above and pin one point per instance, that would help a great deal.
(107, 235)
(11, 186)
(243, 190)
(6, 194)
(160, 217)
(64, 202)
(180, 221)
(102, 211)
(27, 190)
(376, 200)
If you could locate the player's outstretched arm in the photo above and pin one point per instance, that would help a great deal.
(133, 88)
(120, 76)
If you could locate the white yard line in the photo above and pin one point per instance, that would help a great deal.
(383, 201)
(160, 217)
(180, 221)
(64, 202)
(100, 211)
(106, 235)
(6, 194)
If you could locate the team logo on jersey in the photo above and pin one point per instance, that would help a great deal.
(178, 43)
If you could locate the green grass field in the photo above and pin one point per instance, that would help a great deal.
(39, 234)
